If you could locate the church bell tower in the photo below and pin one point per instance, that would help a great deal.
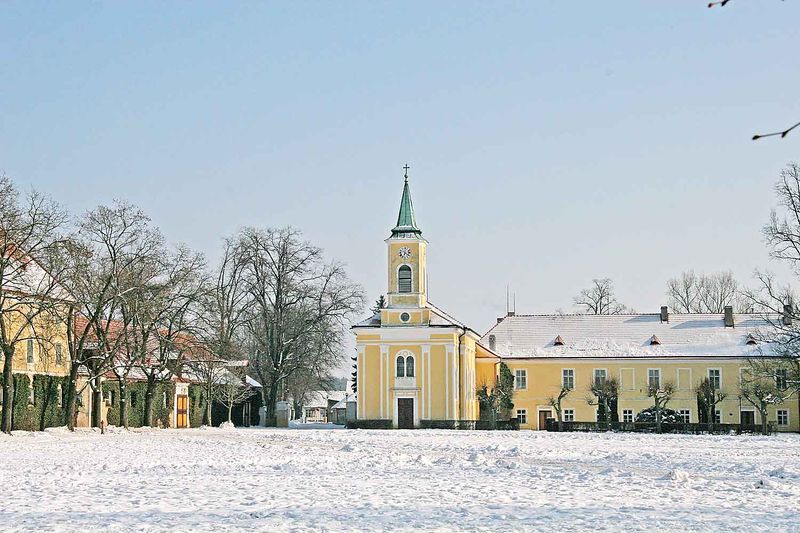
(407, 277)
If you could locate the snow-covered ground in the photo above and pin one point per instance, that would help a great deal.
(340, 480)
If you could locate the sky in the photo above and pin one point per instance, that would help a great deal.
(550, 143)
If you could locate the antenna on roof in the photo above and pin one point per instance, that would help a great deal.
(515, 303)
(507, 308)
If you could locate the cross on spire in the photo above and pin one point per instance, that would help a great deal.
(406, 171)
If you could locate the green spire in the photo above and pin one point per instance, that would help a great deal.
(406, 225)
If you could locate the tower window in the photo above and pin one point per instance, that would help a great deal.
(401, 366)
(404, 279)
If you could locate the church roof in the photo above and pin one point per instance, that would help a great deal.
(406, 223)
(606, 336)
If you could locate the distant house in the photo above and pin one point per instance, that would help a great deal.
(338, 413)
(319, 406)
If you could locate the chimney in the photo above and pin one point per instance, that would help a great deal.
(787, 315)
(492, 342)
(664, 313)
(728, 316)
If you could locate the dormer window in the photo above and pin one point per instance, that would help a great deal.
(492, 342)
(750, 340)
(654, 341)
(404, 279)
(558, 341)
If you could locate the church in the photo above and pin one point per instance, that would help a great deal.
(419, 367)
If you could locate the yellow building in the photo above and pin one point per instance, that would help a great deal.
(417, 366)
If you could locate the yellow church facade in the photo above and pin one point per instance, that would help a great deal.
(417, 366)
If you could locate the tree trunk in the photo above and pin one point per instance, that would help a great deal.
(97, 403)
(209, 399)
(270, 397)
(8, 388)
(230, 412)
(71, 407)
(123, 403)
(150, 392)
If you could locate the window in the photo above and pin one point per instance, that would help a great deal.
(654, 378)
(568, 378)
(404, 279)
(569, 415)
(715, 377)
(717, 416)
(781, 378)
(401, 366)
(30, 351)
(627, 415)
(409, 367)
(685, 414)
(599, 376)
(405, 317)
(522, 416)
(783, 417)
(59, 355)
(520, 379)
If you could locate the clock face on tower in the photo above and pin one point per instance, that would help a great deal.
(405, 252)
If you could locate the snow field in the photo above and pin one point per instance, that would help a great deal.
(340, 480)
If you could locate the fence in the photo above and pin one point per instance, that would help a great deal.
(650, 427)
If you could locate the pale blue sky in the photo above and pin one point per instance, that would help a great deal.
(550, 142)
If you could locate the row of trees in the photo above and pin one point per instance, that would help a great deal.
(132, 303)
(688, 293)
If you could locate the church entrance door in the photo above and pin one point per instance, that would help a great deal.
(405, 413)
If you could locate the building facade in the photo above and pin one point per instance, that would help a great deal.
(418, 366)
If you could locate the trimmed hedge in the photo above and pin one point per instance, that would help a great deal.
(162, 406)
(369, 424)
(48, 401)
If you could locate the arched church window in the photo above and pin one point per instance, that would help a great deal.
(409, 367)
(401, 366)
(404, 279)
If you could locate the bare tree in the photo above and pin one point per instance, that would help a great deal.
(710, 396)
(222, 321)
(779, 349)
(762, 392)
(555, 402)
(163, 316)
(295, 298)
(661, 395)
(599, 299)
(604, 393)
(232, 389)
(104, 261)
(30, 229)
(706, 293)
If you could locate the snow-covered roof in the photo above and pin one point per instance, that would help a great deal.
(320, 398)
(342, 404)
(683, 335)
